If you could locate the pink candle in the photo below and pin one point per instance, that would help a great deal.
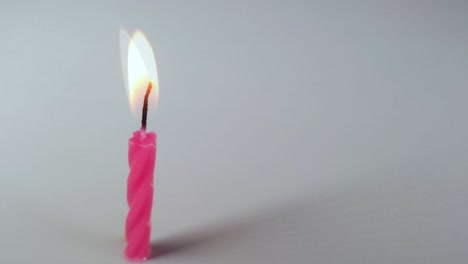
(140, 71)
(141, 159)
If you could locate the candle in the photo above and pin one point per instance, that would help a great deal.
(142, 151)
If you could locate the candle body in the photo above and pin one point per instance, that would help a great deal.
(142, 160)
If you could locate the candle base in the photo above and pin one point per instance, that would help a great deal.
(137, 259)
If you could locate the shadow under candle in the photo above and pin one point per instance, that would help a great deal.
(222, 232)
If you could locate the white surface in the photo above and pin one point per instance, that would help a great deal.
(288, 131)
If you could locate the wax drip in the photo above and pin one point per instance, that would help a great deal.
(145, 106)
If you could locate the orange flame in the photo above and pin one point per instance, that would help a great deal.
(139, 68)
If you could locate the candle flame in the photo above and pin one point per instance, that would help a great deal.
(139, 68)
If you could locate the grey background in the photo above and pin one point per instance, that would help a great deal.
(288, 131)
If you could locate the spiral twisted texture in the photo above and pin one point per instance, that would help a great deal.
(142, 155)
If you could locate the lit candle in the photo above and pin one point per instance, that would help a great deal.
(142, 148)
